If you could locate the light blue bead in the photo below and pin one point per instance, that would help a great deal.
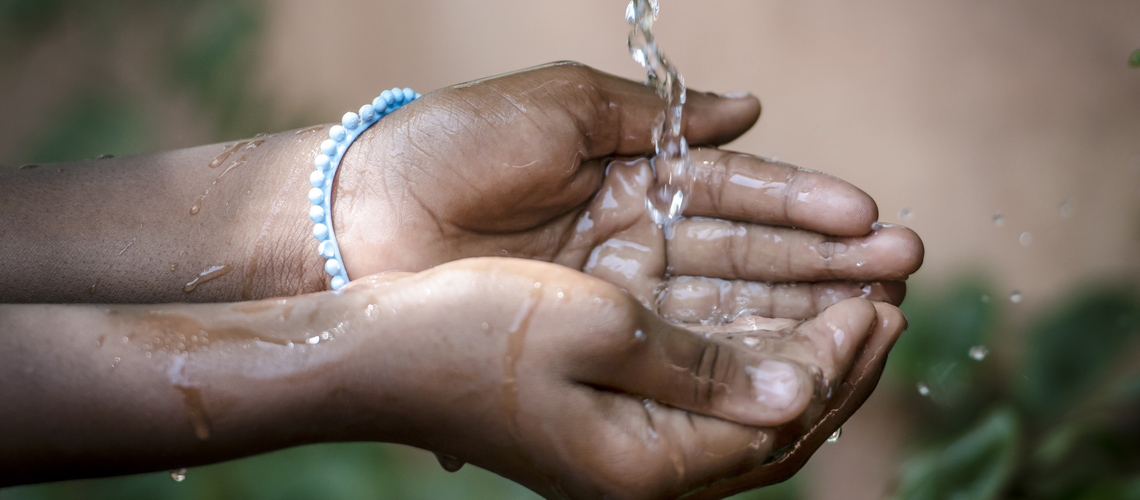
(317, 213)
(388, 98)
(350, 121)
(317, 178)
(409, 95)
(322, 162)
(328, 147)
(379, 104)
(316, 196)
(321, 232)
(367, 113)
(398, 95)
(326, 249)
(337, 133)
(337, 283)
(332, 266)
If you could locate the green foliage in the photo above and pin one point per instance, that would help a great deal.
(976, 466)
(1064, 425)
(96, 124)
(1134, 59)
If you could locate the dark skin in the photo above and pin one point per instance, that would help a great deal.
(551, 375)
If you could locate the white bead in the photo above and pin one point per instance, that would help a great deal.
(317, 213)
(317, 178)
(321, 232)
(337, 283)
(388, 98)
(367, 112)
(332, 266)
(316, 196)
(350, 121)
(337, 133)
(328, 147)
(322, 162)
(409, 95)
(326, 249)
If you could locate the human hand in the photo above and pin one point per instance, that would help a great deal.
(565, 384)
(516, 166)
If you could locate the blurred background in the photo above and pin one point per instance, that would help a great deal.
(1006, 133)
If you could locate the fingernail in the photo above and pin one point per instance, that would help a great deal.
(737, 95)
(775, 383)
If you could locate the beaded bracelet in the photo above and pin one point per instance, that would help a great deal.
(328, 159)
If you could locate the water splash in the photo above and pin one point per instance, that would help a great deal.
(178, 475)
(1015, 297)
(923, 389)
(672, 168)
(999, 219)
(906, 213)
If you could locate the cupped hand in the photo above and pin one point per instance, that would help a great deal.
(565, 384)
(541, 164)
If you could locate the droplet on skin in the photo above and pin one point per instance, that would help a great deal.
(835, 435)
(1026, 238)
(750, 341)
(999, 219)
(639, 335)
(979, 352)
(923, 389)
(178, 475)
(1015, 297)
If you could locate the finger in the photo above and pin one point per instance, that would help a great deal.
(676, 450)
(848, 397)
(829, 341)
(736, 250)
(716, 378)
(615, 116)
(693, 299)
(748, 188)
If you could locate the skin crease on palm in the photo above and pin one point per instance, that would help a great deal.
(515, 306)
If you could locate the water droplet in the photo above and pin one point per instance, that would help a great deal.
(905, 214)
(923, 389)
(1015, 297)
(313, 340)
(639, 335)
(538, 284)
(835, 435)
(560, 294)
(999, 219)
(178, 475)
(1026, 238)
(750, 341)
(485, 327)
(448, 462)
(1067, 209)
(979, 352)
(985, 298)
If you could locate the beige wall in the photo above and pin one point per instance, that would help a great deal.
(953, 109)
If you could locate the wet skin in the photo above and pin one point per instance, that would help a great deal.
(559, 393)
(550, 377)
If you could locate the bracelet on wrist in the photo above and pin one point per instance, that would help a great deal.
(328, 158)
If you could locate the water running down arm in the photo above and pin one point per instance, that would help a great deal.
(544, 375)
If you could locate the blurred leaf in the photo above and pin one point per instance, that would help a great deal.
(92, 124)
(214, 57)
(934, 351)
(976, 466)
(1071, 350)
(1134, 59)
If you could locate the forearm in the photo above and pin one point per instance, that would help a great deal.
(144, 228)
(103, 390)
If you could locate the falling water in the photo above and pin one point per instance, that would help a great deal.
(672, 169)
